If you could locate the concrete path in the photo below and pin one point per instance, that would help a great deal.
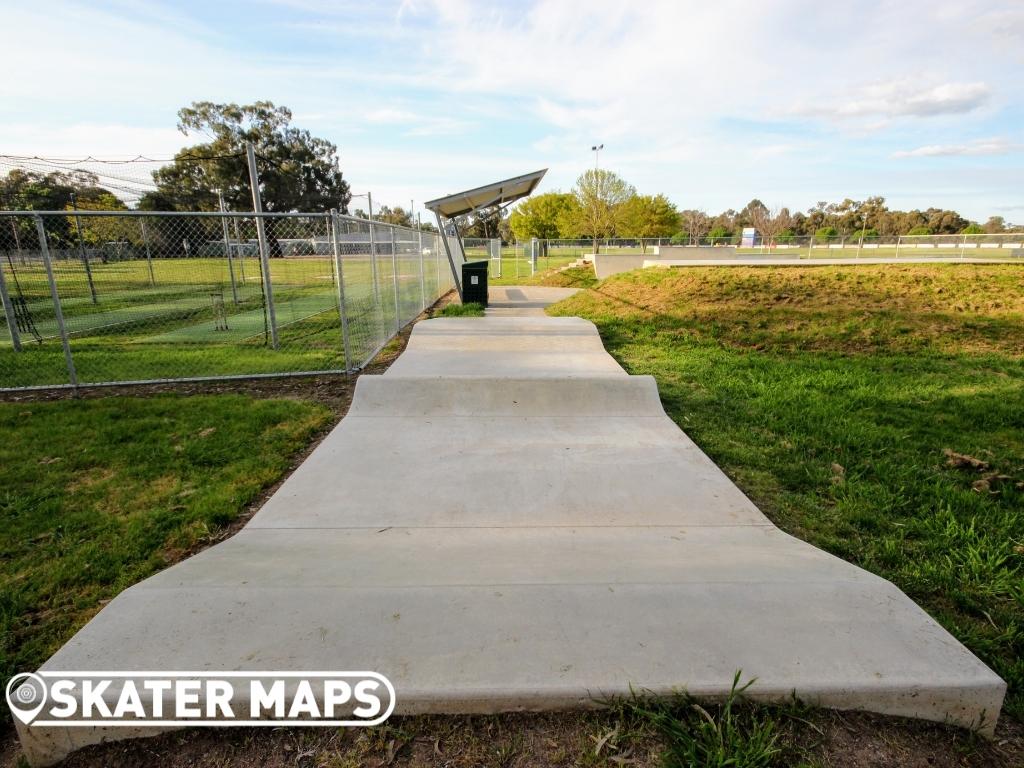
(519, 301)
(506, 520)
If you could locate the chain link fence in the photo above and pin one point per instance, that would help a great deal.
(99, 297)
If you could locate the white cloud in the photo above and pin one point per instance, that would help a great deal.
(904, 98)
(994, 146)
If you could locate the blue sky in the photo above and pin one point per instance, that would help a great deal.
(710, 103)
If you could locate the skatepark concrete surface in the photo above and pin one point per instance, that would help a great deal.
(507, 521)
(517, 301)
(795, 261)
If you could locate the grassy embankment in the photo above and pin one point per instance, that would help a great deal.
(875, 411)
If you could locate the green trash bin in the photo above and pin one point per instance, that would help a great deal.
(474, 282)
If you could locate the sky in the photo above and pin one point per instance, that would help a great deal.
(710, 103)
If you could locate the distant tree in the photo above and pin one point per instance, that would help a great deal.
(769, 222)
(98, 230)
(647, 216)
(487, 223)
(718, 233)
(696, 223)
(824, 234)
(680, 238)
(600, 196)
(298, 171)
(919, 231)
(540, 216)
(396, 215)
(943, 222)
(56, 191)
(972, 229)
(995, 225)
(752, 211)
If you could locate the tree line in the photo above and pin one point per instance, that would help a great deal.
(603, 205)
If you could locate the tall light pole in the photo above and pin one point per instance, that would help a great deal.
(596, 149)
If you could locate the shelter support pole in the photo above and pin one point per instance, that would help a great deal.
(448, 250)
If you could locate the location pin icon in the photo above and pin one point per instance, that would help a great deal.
(26, 696)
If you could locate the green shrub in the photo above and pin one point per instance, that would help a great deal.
(824, 234)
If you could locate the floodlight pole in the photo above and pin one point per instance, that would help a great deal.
(261, 234)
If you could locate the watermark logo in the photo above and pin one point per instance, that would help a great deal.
(200, 698)
(26, 696)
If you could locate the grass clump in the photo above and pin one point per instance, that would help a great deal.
(469, 309)
(735, 733)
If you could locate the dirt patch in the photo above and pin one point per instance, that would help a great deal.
(542, 740)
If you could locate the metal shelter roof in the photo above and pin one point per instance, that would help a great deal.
(498, 193)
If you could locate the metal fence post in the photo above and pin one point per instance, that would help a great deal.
(149, 256)
(261, 234)
(81, 250)
(340, 278)
(394, 270)
(58, 314)
(373, 260)
(227, 248)
(423, 276)
(12, 319)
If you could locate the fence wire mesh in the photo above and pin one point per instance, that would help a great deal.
(95, 297)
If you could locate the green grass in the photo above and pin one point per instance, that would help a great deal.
(470, 309)
(733, 734)
(831, 395)
(166, 328)
(96, 495)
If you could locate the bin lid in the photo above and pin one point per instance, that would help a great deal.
(498, 193)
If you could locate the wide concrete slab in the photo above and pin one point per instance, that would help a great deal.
(505, 520)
